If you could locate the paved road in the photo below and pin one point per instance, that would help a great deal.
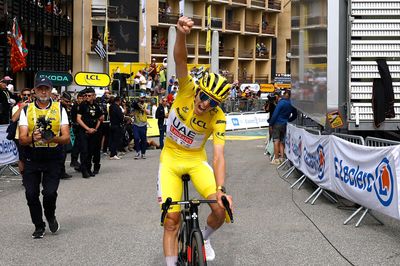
(113, 219)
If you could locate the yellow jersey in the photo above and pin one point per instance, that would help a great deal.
(187, 132)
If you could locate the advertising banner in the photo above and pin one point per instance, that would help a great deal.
(8, 149)
(57, 78)
(366, 175)
(92, 79)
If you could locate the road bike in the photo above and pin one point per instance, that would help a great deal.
(191, 250)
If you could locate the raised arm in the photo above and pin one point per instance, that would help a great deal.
(183, 27)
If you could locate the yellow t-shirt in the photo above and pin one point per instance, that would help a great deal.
(187, 132)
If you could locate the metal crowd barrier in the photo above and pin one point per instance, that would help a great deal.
(377, 142)
(351, 138)
(369, 141)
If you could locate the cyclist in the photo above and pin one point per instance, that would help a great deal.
(193, 117)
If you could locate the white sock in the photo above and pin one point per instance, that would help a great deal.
(171, 260)
(207, 232)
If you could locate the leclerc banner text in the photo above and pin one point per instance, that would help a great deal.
(365, 175)
(8, 149)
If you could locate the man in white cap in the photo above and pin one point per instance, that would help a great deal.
(43, 129)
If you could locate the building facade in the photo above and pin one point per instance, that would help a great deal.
(250, 49)
(46, 27)
(247, 34)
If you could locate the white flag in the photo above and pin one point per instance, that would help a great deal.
(144, 23)
(99, 49)
(181, 7)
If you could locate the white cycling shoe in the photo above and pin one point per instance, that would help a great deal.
(210, 254)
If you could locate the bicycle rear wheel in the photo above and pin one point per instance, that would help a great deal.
(197, 251)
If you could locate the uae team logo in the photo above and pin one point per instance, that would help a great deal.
(384, 183)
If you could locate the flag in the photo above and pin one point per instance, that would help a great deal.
(18, 48)
(99, 49)
(208, 41)
(106, 33)
(144, 23)
(181, 7)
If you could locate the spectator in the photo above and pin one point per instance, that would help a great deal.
(163, 80)
(142, 81)
(140, 127)
(116, 122)
(5, 100)
(283, 113)
(66, 103)
(16, 111)
(171, 83)
(153, 69)
(162, 115)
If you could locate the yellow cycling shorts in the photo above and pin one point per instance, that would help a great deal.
(170, 182)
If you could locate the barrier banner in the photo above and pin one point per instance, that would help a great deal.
(369, 176)
(8, 149)
(309, 154)
(366, 175)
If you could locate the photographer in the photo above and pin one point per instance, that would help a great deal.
(43, 129)
(140, 113)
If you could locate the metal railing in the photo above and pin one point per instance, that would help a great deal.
(233, 26)
(350, 138)
(248, 53)
(252, 27)
(378, 142)
(227, 52)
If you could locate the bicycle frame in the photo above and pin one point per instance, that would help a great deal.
(190, 222)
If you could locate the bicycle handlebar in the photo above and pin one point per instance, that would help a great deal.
(168, 202)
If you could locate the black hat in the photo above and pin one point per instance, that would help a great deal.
(43, 81)
(89, 90)
(66, 95)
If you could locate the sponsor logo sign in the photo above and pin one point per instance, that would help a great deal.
(380, 182)
(92, 79)
(56, 77)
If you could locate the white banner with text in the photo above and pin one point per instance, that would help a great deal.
(368, 176)
(8, 149)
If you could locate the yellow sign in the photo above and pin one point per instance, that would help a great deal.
(335, 119)
(152, 127)
(267, 87)
(91, 79)
(283, 86)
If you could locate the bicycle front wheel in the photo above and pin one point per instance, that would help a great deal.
(197, 251)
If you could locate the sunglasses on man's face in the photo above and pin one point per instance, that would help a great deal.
(204, 97)
(26, 94)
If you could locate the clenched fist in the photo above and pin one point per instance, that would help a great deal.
(184, 24)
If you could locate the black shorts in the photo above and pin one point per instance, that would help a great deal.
(279, 132)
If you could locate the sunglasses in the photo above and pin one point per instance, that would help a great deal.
(26, 94)
(204, 97)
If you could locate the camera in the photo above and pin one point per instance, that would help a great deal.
(44, 126)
